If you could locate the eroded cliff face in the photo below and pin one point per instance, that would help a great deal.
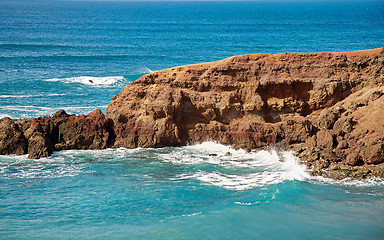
(325, 106)
(305, 102)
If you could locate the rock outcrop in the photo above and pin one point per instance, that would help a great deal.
(41, 136)
(325, 106)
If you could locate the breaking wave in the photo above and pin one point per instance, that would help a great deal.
(88, 80)
(208, 163)
(246, 170)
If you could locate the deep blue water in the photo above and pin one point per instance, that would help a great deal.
(77, 55)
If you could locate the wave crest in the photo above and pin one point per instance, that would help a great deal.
(88, 80)
(245, 170)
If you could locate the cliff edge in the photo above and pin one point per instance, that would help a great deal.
(327, 107)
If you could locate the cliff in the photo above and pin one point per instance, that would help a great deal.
(325, 106)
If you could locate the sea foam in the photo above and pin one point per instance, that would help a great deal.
(88, 80)
(29, 111)
(262, 167)
(208, 163)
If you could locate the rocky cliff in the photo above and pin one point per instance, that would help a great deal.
(328, 107)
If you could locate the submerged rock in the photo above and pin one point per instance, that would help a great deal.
(325, 106)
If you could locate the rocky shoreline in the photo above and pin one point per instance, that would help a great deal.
(327, 107)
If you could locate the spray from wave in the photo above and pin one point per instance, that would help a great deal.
(208, 163)
(244, 170)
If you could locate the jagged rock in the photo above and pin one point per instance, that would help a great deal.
(83, 132)
(325, 139)
(353, 159)
(252, 98)
(324, 106)
(343, 125)
(327, 118)
(39, 143)
(39, 146)
(373, 153)
(375, 95)
(41, 136)
(12, 140)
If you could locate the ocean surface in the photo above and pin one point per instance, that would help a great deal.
(77, 55)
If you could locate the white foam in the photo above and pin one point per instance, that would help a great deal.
(145, 70)
(248, 203)
(266, 167)
(51, 167)
(368, 182)
(88, 80)
(28, 111)
(239, 171)
(5, 115)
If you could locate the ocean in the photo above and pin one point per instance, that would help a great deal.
(77, 55)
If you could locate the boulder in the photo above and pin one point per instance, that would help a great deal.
(12, 140)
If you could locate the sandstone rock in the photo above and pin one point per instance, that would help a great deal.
(375, 95)
(39, 143)
(12, 140)
(325, 139)
(83, 132)
(39, 137)
(353, 159)
(39, 146)
(373, 153)
(327, 118)
(343, 125)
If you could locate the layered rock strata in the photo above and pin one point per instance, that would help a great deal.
(328, 107)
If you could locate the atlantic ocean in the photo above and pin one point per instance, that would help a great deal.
(77, 55)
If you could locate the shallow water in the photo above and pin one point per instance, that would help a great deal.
(77, 55)
(182, 193)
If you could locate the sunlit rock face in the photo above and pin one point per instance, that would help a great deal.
(325, 106)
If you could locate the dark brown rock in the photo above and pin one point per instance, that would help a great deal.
(83, 132)
(39, 137)
(12, 140)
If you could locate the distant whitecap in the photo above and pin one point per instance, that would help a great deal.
(88, 80)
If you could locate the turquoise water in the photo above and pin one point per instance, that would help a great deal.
(182, 193)
(76, 55)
